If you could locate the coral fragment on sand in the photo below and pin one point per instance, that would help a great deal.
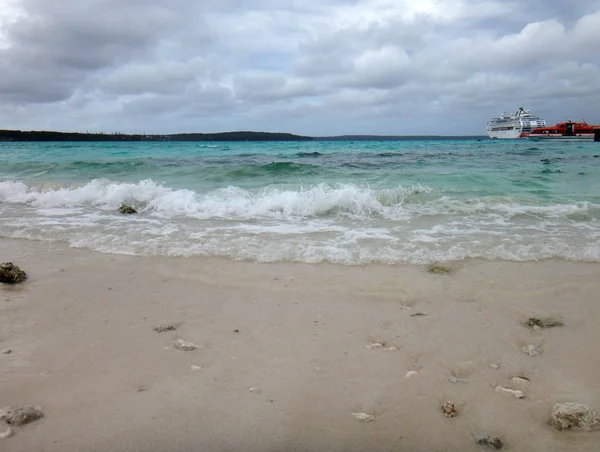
(574, 416)
(166, 327)
(21, 415)
(491, 441)
(11, 274)
(419, 314)
(440, 269)
(449, 409)
(533, 322)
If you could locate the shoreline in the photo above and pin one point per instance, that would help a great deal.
(304, 356)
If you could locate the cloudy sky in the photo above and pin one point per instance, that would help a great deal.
(314, 67)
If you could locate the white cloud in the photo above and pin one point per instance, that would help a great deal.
(308, 67)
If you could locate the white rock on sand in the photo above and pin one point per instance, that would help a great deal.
(185, 346)
(511, 392)
(520, 383)
(532, 350)
(363, 417)
(454, 379)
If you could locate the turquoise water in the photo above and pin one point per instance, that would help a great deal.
(343, 202)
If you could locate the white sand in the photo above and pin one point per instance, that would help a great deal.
(83, 347)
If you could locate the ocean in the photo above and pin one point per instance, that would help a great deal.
(344, 202)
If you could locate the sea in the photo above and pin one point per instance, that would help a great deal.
(343, 202)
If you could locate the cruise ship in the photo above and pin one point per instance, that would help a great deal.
(513, 126)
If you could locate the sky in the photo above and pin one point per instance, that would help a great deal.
(310, 67)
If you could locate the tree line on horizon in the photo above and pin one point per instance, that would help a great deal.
(20, 135)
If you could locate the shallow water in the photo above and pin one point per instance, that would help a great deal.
(343, 202)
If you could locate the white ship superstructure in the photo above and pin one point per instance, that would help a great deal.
(513, 125)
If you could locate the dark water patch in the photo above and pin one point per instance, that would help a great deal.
(550, 171)
(525, 152)
(389, 154)
(101, 164)
(218, 161)
(363, 165)
(549, 161)
(170, 162)
(288, 168)
(273, 169)
(308, 154)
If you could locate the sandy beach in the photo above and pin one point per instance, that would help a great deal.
(287, 352)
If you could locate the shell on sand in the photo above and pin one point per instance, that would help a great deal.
(363, 417)
(185, 346)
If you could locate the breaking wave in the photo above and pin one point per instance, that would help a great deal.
(342, 223)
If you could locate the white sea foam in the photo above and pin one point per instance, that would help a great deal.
(227, 202)
(343, 223)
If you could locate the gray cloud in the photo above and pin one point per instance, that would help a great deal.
(330, 67)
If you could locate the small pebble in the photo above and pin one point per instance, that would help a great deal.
(532, 350)
(453, 379)
(411, 373)
(390, 348)
(196, 367)
(6, 434)
(254, 390)
(495, 366)
(166, 327)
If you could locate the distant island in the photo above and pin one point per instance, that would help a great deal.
(21, 135)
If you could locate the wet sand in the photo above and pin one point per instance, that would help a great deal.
(285, 353)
